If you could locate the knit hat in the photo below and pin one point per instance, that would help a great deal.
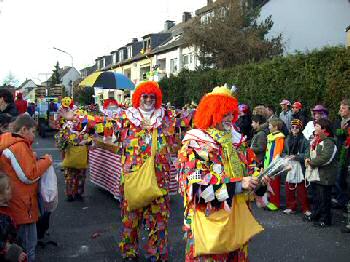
(297, 122)
(214, 106)
(297, 105)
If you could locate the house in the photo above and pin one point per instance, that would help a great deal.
(87, 71)
(347, 30)
(308, 25)
(67, 75)
(27, 88)
(172, 56)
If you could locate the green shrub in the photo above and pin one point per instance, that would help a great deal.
(318, 77)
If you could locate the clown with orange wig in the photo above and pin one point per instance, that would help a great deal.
(217, 221)
(139, 125)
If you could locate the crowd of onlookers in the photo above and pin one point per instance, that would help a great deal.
(20, 171)
(319, 152)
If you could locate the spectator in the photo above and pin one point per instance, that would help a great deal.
(324, 149)
(5, 120)
(342, 129)
(298, 113)
(259, 140)
(31, 109)
(286, 114)
(21, 104)
(275, 145)
(271, 113)
(319, 111)
(9, 251)
(19, 162)
(261, 110)
(52, 106)
(244, 121)
(295, 147)
(7, 104)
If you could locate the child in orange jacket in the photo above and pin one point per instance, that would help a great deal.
(19, 162)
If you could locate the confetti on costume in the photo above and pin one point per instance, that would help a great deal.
(136, 137)
(211, 171)
(72, 132)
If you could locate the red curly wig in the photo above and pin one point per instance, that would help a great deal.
(212, 108)
(148, 87)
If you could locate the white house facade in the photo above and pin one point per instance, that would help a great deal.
(68, 76)
(309, 24)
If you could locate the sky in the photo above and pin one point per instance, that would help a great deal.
(86, 29)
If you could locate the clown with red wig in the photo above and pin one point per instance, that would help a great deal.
(213, 184)
(136, 127)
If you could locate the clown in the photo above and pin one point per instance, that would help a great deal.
(211, 180)
(73, 132)
(136, 127)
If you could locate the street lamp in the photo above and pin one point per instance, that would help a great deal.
(60, 50)
(65, 53)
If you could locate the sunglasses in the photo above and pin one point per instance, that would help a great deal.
(145, 96)
(295, 127)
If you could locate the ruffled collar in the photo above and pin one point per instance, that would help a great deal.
(136, 118)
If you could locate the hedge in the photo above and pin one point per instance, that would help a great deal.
(318, 77)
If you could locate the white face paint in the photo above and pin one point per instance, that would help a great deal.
(226, 123)
(147, 102)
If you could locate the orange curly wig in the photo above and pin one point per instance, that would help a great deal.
(212, 108)
(148, 87)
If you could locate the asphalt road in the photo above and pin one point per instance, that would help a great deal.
(88, 231)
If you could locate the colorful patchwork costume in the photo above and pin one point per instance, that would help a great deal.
(135, 134)
(211, 173)
(71, 134)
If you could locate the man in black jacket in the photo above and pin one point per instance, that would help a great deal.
(7, 104)
(297, 113)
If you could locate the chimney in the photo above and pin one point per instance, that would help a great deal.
(134, 40)
(186, 16)
(168, 24)
(209, 2)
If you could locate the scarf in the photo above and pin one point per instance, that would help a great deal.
(318, 139)
(232, 164)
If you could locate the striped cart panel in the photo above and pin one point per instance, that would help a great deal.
(105, 170)
(173, 185)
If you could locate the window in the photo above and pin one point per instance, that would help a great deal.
(185, 59)
(147, 44)
(205, 18)
(129, 51)
(121, 55)
(173, 65)
(115, 58)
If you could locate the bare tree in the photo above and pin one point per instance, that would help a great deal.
(10, 80)
(230, 34)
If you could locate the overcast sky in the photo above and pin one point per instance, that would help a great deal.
(85, 28)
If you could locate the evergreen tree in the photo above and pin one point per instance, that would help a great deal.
(55, 77)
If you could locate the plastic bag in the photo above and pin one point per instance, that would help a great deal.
(295, 175)
(48, 189)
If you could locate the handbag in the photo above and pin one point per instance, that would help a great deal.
(141, 186)
(295, 175)
(223, 232)
(76, 157)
